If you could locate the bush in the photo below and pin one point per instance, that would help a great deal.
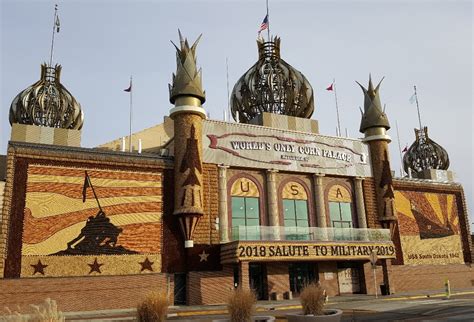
(240, 305)
(312, 299)
(154, 308)
(45, 312)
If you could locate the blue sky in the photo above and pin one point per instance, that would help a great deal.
(427, 43)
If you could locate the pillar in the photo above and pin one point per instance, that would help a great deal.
(320, 205)
(360, 205)
(273, 218)
(223, 215)
(244, 278)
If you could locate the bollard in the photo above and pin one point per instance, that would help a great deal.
(447, 289)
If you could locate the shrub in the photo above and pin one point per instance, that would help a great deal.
(154, 308)
(45, 312)
(312, 299)
(240, 305)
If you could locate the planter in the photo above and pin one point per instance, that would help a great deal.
(254, 319)
(330, 315)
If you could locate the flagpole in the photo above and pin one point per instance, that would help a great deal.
(399, 149)
(131, 101)
(417, 106)
(93, 190)
(337, 109)
(227, 77)
(268, 29)
(52, 38)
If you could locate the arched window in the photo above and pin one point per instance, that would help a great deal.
(245, 199)
(340, 210)
(295, 211)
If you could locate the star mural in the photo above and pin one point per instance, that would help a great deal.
(203, 256)
(95, 267)
(39, 268)
(146, 265)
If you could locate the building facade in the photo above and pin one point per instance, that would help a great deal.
(205, 206)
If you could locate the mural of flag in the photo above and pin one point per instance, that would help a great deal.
(87, 184)
(264, 25)
(330, 87)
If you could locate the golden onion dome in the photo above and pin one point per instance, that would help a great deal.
(47, 103)
(425, 153)
(271, 85)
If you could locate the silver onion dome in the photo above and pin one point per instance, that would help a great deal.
(424, 154)
(271, 85)
(47, 103)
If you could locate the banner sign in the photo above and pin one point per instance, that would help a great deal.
(262, 147)
(277, 251)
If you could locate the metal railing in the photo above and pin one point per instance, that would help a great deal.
(309, 233)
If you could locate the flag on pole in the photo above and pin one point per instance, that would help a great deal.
(264, 25)
(405, 149)
(412, 99)
(330, 87)
(87, 184)
(129, 89)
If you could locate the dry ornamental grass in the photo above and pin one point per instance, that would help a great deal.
(46, 312)
(154, 308)
(240, 305)
(312, 299)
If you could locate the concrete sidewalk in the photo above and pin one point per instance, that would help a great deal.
(351, 303)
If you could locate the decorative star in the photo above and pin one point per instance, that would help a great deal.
(95, 267)
(39, 268)
(146, 264)
(203, 256)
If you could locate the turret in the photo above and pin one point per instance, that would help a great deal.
(187, 95)
(374, 125)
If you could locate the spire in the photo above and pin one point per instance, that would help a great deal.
(373, 114)
(187, 81)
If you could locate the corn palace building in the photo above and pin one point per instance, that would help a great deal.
(198, 207)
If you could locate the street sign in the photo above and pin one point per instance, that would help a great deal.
(373, 259)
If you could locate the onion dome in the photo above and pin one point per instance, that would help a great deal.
(271, 85)
(373, 114)
(47, 103)
(424, 154)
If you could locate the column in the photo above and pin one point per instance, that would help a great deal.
(360, 206)
(320, 206)
(244, 278)
(223, 215)
(272, 201)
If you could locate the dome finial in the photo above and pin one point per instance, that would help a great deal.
(374, 116)
(271, 85)
(56, 26)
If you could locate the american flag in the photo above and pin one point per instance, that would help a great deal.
(264, 24)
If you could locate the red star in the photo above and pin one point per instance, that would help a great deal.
(146, 264)
(39, 268)
(95, 267)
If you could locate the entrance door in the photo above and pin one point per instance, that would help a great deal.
(180, 289)
(300, 275)
(258, 280)
(349, 280)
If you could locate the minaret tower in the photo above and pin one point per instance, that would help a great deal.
(187, 95)
(374, 125)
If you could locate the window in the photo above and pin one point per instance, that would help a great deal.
(245, 213)
(245, 207)
(295, 211)
(296, 219)
(340, 212)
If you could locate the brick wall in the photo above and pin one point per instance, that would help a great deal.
(431, 277)
(206, 232)
(81, 293)
(210, 287)
(277, 279)
(331, 285)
